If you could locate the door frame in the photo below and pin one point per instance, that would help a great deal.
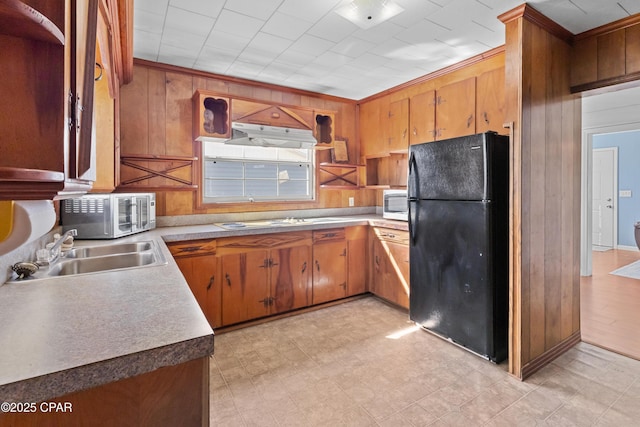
(615, 192)
(586, 217)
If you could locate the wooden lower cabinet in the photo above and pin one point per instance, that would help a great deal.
(200, 267)
(389, 278)
(329, 265)
(264, 274)
(169, 396)
(237, 279)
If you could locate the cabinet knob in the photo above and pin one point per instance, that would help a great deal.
(211, 280)
(317, 265)
(226, 276)
(304, 267)
(469, 120)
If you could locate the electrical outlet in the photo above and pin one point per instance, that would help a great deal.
(625, 193)
(352, 202)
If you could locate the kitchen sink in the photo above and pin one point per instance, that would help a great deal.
(101, 263)
(119, 248)
(96, 259)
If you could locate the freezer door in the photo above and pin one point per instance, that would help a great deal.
(459, 168)
(451, 275)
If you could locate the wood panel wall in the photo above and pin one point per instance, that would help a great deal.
(545, 193)
(156, 119)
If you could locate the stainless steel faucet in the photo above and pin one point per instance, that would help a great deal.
(54, 252)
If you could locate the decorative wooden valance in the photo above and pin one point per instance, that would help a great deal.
(158, 173)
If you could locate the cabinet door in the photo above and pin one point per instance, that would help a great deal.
(455, 109)
(371, 139)
(399, 263)
(290, 278)
(398, 126)
(202, 275)
(490, 105)
(356, 260)
(245, 287)
(422, 117)
(329, 271)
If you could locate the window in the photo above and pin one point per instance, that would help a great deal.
(234, 173)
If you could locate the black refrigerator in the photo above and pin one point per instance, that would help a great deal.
(458, 191)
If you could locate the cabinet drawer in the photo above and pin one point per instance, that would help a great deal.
(328, 235)
(391, 235)
(193, 247)
(262, 241)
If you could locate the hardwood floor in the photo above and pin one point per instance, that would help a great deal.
(609, 304)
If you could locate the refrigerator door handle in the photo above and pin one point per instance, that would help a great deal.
(413, 224)
(413, 178)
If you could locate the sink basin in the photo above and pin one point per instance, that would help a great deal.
(119, 248)
(96, 259)
(101, 263)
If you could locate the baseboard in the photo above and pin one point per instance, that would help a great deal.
(627, 248)
(550, 355)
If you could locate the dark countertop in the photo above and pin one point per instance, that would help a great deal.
(65, 334)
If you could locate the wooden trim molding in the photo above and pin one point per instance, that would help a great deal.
(527, 12)
(610, 27)
(438, 73)
(627, 78)
(548, 356)
(125, 15)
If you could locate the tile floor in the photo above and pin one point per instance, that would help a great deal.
(351, 365)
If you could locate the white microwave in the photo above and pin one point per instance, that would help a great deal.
(395, 205)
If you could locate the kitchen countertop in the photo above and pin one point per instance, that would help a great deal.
(65, 334)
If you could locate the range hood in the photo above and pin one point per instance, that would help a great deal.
(270, 136)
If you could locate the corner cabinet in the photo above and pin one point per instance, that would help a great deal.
(46, 123)
(390, 265)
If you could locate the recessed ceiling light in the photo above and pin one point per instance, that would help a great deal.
(369, 13)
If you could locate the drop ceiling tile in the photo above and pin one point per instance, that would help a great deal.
(237, 24)
(414, 12)
(155, 6)
(277, 72)
(244, 69)
(210, 8)
(295, 59)
(630, 6)
(308, 10)
(176, 56)
(149, 22)
(148, 45)
(332, 59)
(269, 43)
(311, 45)
(353, 47)
(393, 49)
(262, 9)
(368, 61)
(286, 26)
(379, 33)
(190, 43)
(226, 41)
(333, 27)
(422, 33)
(188, 22)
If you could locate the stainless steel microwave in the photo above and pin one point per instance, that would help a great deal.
(395, 205)
(109, 216)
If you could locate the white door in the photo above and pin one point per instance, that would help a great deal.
(604, 202)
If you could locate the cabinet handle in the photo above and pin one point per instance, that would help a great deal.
(264, 302)
(404, 134)
(343, 285)
(486, 117)
(344, 252)
(304, 267)
(329, 235)
(377, 261)
(317, 265)
(271, 263)
(470, 120)
(226, 276)
(265, 263)
(191, 248)
(415, 131)
(211, 280)
(272, 300)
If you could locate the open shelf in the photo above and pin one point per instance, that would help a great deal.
(389, 171)
(21, 20)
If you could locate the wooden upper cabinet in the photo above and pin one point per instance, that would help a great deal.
(244, 111)
(611, 54)
(422, 117)
(632, 38)
(490, 102)
(397, 124)
(371, 139)
(211, 116)
(324, 126)
(46, 129)
(455, 109)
